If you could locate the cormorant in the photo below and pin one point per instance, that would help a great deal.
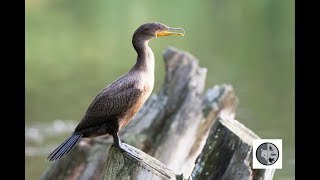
(117, 103)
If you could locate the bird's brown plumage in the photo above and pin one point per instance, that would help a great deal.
(117, 103)
(114, 106)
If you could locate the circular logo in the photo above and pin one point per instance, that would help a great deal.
(267, 153)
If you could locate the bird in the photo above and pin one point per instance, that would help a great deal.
(116, 104)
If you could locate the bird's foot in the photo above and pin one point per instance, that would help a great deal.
(124, 148)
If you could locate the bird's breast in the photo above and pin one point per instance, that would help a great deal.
(145, 83)
(145, 86)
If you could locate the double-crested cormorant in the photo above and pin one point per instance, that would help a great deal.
(116, 104)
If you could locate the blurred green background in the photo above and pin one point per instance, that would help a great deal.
(75, 48)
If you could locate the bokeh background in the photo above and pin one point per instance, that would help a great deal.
(74, 48)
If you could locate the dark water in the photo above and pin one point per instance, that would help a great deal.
(75, 48)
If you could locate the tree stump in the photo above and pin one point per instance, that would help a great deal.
(121, 166)
(227, 154)
(172, 126)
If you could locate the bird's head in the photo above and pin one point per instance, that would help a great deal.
(153, 30)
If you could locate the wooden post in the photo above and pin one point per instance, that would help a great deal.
(172, 126)
(227, 154)
(123, 166)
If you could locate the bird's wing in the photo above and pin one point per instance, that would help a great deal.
(110, 103)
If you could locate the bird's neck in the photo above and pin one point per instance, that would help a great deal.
(145, 59)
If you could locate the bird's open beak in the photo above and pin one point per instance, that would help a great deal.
(170, 32)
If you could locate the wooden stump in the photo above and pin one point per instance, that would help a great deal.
(172, 126)
(123, 166)
(227, 154)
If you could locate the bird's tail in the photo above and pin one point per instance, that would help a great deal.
(65, 147)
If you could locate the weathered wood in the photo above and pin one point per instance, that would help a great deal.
(177, 114)
(122, 166)
(227, 154)
(172, 126)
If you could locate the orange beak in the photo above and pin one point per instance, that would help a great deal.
(171, 32)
